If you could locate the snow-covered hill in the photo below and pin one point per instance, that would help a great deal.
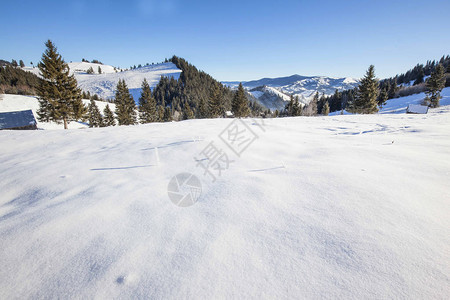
(104, 84)
(270, 97)
(303, 86)
(350, 207)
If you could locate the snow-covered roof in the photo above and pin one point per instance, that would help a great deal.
(17, 119)
(417, 109)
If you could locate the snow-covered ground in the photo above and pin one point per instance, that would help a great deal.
(104, 85)
(19, 102)
(349, 207)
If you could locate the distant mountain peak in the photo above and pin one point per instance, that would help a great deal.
(302, 86)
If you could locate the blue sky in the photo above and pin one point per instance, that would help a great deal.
(234, 40)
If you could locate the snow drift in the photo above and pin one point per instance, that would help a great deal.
(350, 207)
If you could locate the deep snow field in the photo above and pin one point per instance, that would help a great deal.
(350, 207)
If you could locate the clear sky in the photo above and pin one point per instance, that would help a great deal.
(234, 40)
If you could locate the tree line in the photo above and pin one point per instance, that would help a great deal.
(195, 94)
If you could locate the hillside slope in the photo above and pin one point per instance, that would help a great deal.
(350, 207)
(104, 84)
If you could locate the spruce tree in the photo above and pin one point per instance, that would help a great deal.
(95, 118)
(160, 113)
(420, 77)
(434, 85)
(21, 64)
(167, 114)
(326, 109)
(14, 63)
(290, 106)
(147, 104)
(203, 109)
(187, 112)
(90, 70)
(58, 94)
(239, 106)
(216, 108)
(99, 70)
(367, 93)
(108, 119)
(297, 108)
(394, 88)
(383, 97)
(125, 106)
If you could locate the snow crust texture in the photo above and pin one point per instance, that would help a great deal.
(349, 207)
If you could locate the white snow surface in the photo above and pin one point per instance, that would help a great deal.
(349, 207)
(18, 102)
(104, 85)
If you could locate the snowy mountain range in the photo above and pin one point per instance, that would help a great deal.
(274, 92)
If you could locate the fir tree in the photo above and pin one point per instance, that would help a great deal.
(326, 109)
(394, 88)
(290, 106)
(383, 97)
(239, 106)
(21, 64)
(167, 114)
(14, 63)
(187, 112)
(90, 70)
(367, 93)
(216, 108)
(125, 106)
(59, 95)
(147, 104)
(108, 119)
(203, 110)
(160, 113)
(420, 77)
(297, 108)
(321, 103)
(95, 118)
(99, 70)
(434, 85)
